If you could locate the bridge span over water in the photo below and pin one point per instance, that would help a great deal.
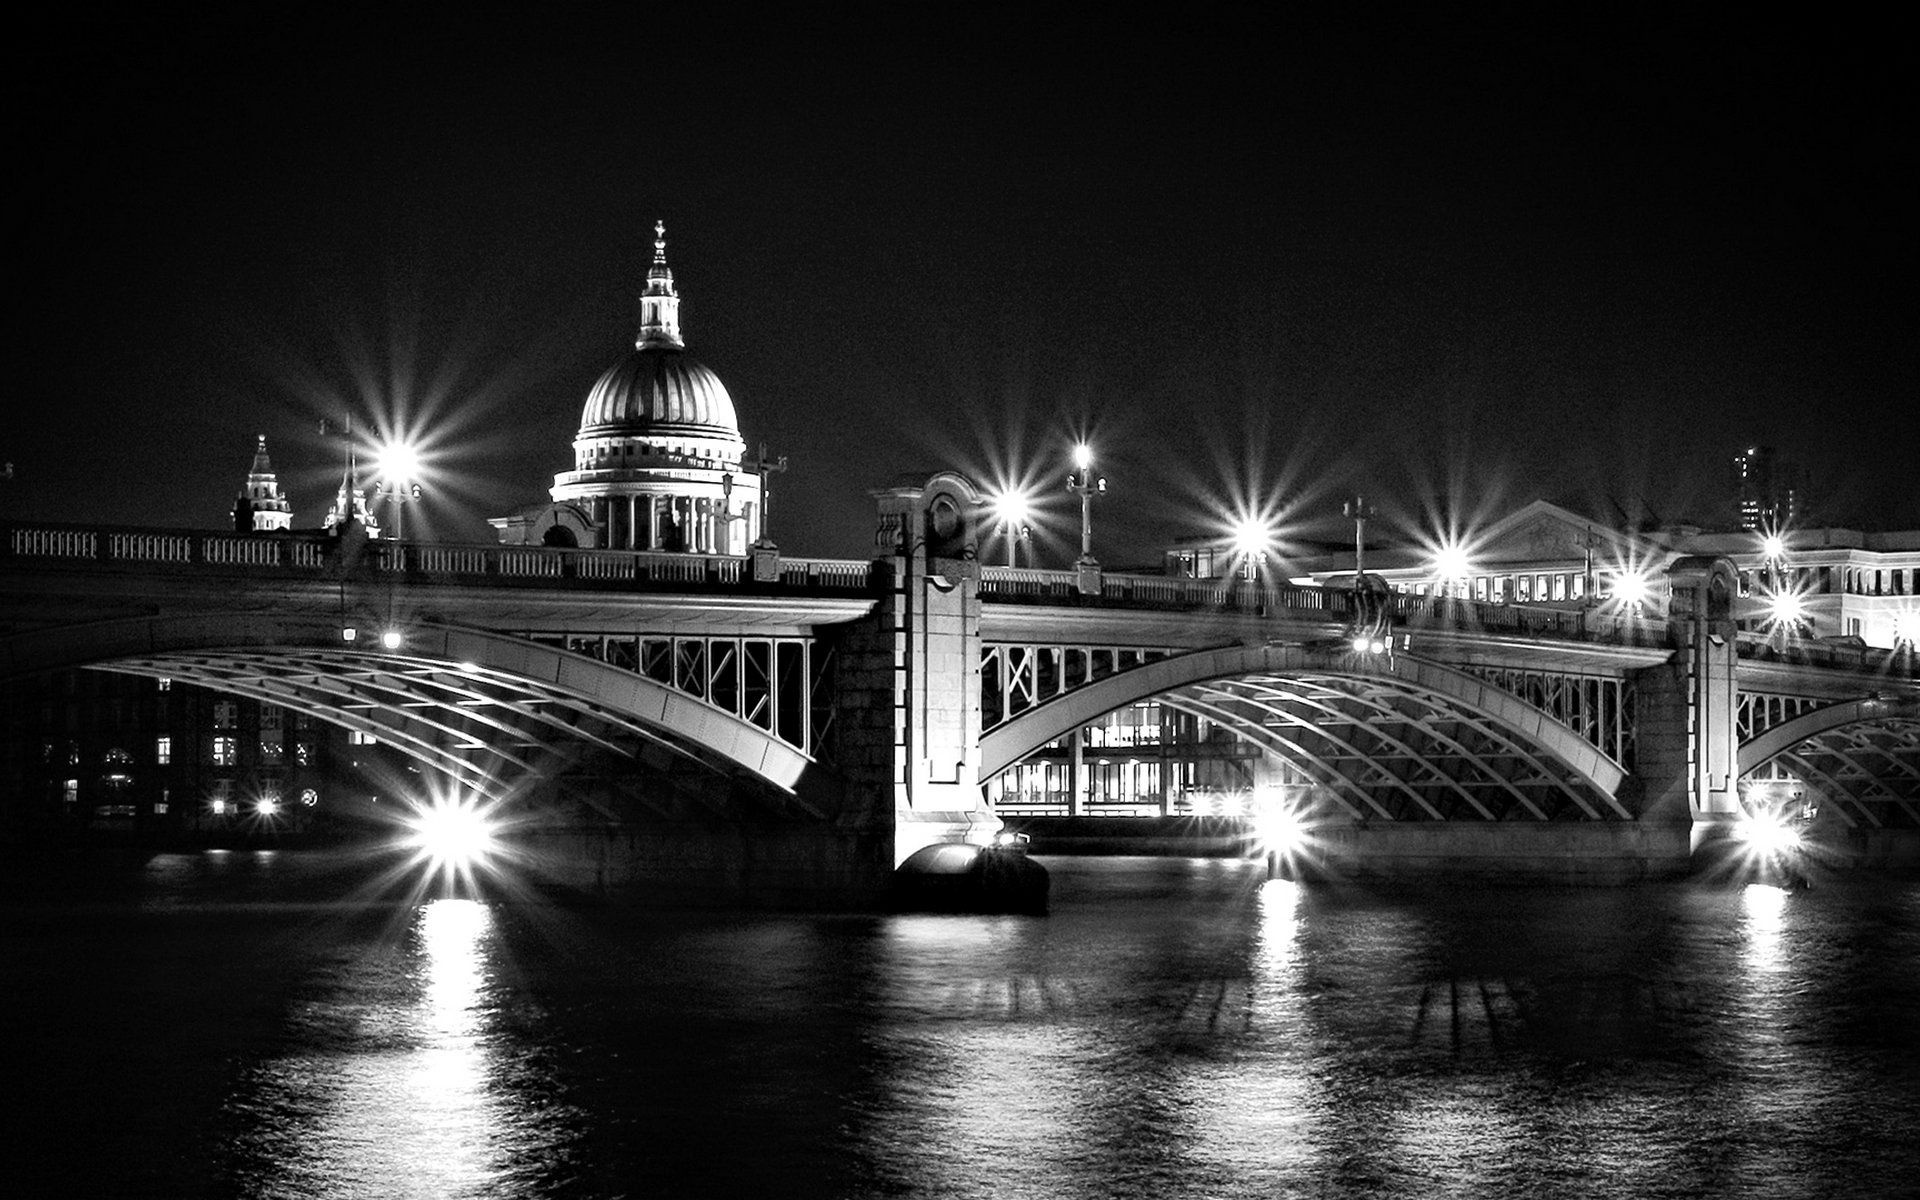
(795, 728)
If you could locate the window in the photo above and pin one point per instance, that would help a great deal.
(226, 714)
(226, 751)
(357, 737)
(1523, 589)
(163, 750)
(273, 718)
(164, 684)
(70, 791)
(303, 753)
(1559, 587)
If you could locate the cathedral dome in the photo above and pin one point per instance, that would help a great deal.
(658, 389)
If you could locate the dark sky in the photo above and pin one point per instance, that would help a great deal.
(1456, 259)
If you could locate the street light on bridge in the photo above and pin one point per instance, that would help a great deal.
(1013, 507)
(1252, 541)
(398, 463)
(1083, 483)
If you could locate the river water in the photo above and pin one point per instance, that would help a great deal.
(262, 1025)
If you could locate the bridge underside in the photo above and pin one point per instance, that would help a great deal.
(1867, 772)
(487, 731)
(1382, 749)
(1381, 740)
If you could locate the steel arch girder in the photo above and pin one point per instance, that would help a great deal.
(584, 685)
(1017, 737)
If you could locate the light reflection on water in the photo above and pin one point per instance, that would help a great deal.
(393, 1096)
(1176, 1029)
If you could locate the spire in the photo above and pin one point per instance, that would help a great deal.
(659, 304)
(268, 510)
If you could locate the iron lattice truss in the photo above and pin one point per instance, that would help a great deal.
(1597, 707)
(491, 730)
(1383, 749)
(1757, 712)
(779, 684)
(1868, 771)
(1016, 677)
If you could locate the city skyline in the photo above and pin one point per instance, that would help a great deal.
(1260, 265)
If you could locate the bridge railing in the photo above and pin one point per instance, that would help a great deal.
(1121, 589)
(309, 553)
(1900, 662)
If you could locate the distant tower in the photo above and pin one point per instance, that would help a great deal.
(350, 502)
(261, 508)
(1768, 494)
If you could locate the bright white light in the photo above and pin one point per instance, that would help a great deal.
(1773, 546)
(391, 639)
(398, 462)
(452, 834)
(1279, 828)
(1012, 507)
(1786, 607)
(1767, 833)
(1906, 626)
(1376, 646)
(1451, 563)
(1360, 645)
(219, 807)
(1251, 537)
(267, 807)
(1083, 456)
(349, 633)
(1630, 587)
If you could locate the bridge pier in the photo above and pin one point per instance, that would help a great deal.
(910, 672)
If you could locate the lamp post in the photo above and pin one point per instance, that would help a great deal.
(1251, 537)
(1359, 510)
(397, 495)
(398, 463)
(1012, 507)
(1083, 483)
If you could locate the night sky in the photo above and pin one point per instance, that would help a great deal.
(1457, 260)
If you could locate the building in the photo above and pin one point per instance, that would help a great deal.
(1820, 584)
(1768, 493)
(658, 462)
(261, 507)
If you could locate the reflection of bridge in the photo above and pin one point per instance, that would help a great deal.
(801, 726)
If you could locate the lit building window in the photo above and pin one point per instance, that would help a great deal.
(226, 714)
(226, 751)
(70, 792)
(271, 751)
(163, 750)
(359, 738)
(164, 684)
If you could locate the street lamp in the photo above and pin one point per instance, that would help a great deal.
(397, 463)
(1451, 568)
(1012, 507)
(1083, 483)
(1252, 538)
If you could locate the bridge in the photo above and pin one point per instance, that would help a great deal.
(794, 729)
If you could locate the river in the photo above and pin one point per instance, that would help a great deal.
(272, 1025)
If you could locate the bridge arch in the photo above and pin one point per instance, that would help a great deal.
(1858, 752)
(1447, 735)
(477, 706)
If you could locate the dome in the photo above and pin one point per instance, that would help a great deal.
(658, 389)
